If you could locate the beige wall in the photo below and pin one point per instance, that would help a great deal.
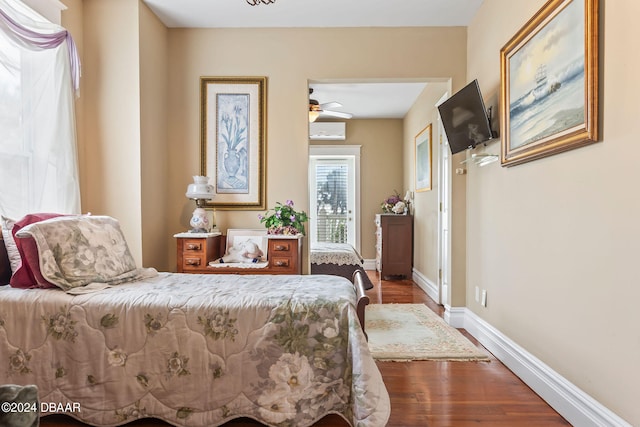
(111, 167)
(130, 170)
(555, 241)
(121, 118)
(154, 105)
(426, 203)
(289, 58)
(381, 169)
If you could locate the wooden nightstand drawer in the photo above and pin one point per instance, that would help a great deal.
(280, 247)
(281, 262)
(191, 246)
(190, 261)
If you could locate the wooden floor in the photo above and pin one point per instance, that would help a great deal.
(431, 393)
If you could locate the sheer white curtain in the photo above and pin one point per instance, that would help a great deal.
(39, 72)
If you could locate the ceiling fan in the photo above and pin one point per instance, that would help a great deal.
(316, 109)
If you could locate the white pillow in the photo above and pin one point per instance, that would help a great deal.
(9, 243)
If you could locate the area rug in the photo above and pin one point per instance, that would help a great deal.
(404, 332)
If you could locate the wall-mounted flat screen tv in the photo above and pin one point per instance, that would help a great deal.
(464, 119)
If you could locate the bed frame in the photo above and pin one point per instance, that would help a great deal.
(362, 300)
(297, 321)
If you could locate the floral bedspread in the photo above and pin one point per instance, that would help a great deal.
(334, 253)
(196, 350)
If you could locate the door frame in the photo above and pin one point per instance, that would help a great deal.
(343, 151)
(444, 212)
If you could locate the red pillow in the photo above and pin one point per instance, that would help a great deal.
(28, 273)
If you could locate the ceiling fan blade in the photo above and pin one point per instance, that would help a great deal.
(336, 114)
(328, 105)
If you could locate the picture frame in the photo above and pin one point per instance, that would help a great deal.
(257, 236)
(233, 140)
(422, 153)
(549, 83)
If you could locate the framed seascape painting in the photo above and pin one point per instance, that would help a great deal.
(423, 159)
(549, 82)
(233, 139)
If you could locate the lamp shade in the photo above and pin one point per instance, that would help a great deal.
(200, 189)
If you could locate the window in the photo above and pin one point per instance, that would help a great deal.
(334, 192)
(331, 210)
(38, 161)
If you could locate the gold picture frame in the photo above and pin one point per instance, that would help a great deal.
(233, 140)
(549, 83)
(422, 153)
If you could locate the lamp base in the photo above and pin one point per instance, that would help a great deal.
(199, 221)
(198, 230)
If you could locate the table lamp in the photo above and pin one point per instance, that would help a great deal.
(200, 191)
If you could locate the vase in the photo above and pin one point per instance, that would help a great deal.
(231, 162)
(283, 231)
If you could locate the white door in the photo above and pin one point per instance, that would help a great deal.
(444, 215)
(334, 194)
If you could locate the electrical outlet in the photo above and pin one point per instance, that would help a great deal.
(484, 298)
(477, 294)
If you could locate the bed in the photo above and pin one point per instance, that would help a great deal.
(339, 259)
(190, 349)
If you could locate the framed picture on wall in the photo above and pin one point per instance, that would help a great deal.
(549, 82)
(233, 139)
(423, 159)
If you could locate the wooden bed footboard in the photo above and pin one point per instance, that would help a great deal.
(362, 300)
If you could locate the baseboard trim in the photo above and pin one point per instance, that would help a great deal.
(369, 264)
(571, 402)
(454, 316)
(426, 285)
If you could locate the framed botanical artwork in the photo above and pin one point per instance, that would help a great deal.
(423, 159)
(233, 140)
(549, 82)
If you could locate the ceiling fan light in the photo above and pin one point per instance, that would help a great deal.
(313, 116)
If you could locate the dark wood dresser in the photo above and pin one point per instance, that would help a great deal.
(394, 245)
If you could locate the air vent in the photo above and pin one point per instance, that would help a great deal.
(327, 130)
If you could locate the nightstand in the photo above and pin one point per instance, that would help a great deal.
(196, 250)
(284, 255)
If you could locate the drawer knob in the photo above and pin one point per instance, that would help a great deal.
(193, 247)
(192, 261)
(281, 263)
(281, 247)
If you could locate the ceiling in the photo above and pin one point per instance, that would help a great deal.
(371, 100)
(363, 99)
(314, 13)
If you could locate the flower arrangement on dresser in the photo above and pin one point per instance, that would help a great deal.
(284, 219)
(394, 204)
